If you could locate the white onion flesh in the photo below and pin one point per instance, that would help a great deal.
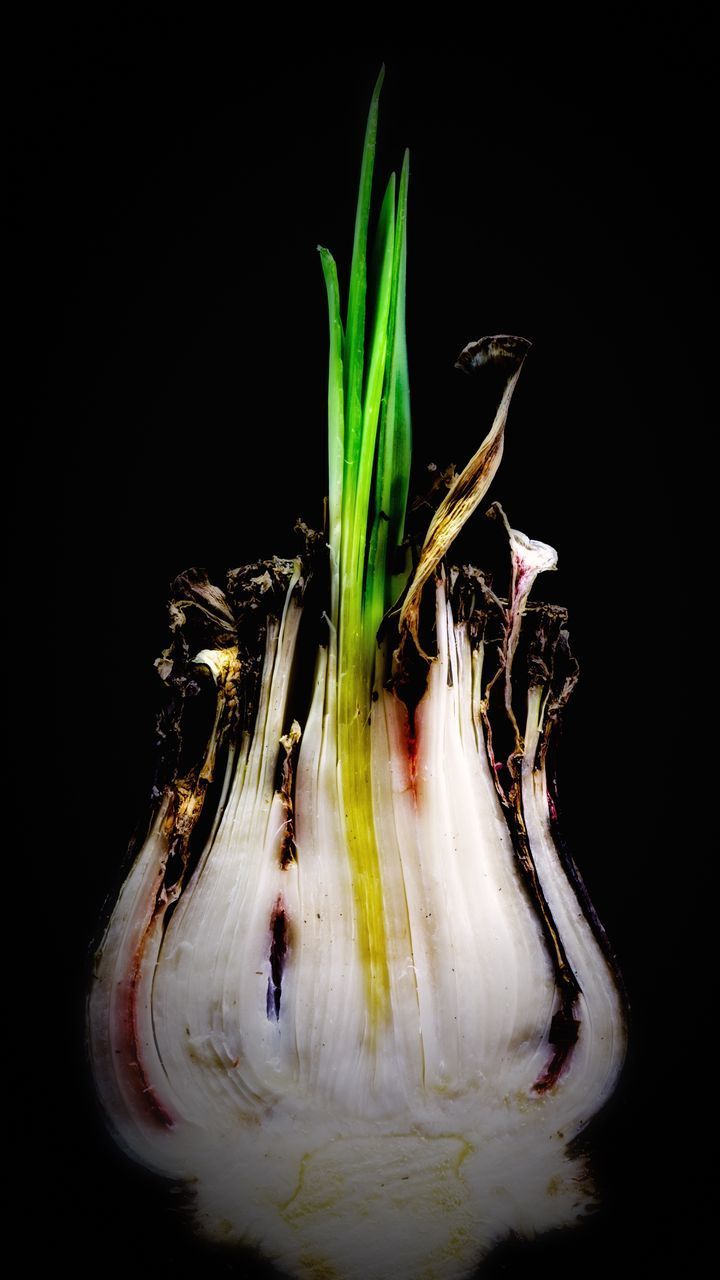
(336, 1146)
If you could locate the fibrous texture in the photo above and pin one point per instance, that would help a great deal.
(352, 990)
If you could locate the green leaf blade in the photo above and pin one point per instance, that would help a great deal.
(336, 424)
(392, 475)
(355, 326)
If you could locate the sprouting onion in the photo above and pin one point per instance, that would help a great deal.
(353, 992)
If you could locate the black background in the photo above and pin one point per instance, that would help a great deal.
(170, 185)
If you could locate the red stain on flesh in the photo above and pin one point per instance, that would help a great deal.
(128, 1046)
(411, 749)
(413, 762)
(564, 1030)
(279, 927)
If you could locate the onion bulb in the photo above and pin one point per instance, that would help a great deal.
(353, 993)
